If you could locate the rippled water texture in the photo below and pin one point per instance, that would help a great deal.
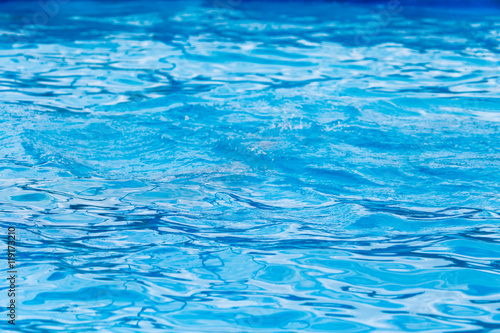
(251, 167)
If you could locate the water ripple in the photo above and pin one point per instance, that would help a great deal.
(243, 166)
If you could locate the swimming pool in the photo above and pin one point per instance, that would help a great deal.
(241, 166)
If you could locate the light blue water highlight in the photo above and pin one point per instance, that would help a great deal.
(254, 167)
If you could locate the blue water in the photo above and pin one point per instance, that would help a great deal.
(240, 166)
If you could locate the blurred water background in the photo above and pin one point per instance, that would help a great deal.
(241, 166)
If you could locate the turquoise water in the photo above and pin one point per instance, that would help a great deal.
(238, 166)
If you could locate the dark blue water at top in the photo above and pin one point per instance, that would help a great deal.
(238, 166)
